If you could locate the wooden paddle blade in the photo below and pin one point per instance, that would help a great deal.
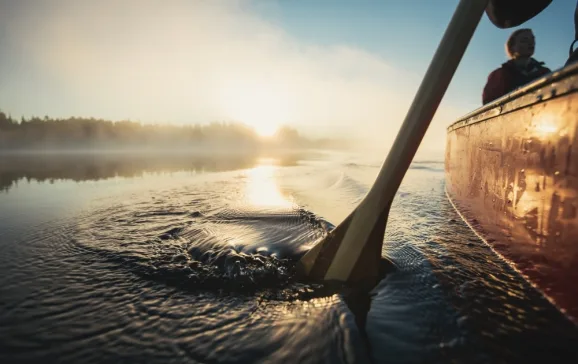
(511, 13)
(315, 262)
(347, 254)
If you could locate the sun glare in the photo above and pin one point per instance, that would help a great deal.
(546, 125)
(262, 190)
(266, 130)
(260, 105)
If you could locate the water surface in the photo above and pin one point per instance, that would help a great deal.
(188, 258)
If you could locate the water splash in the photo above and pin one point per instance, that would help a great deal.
(200, 241)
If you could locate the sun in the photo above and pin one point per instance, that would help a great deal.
(266, 130)
(260, 105)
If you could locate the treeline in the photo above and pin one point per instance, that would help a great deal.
(90, 133)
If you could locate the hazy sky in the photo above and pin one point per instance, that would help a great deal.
(328, 67)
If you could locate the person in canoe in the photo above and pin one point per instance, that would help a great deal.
(573, 57)
(519, 70)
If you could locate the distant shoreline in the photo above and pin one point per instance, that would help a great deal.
(76, 134)
(200, 151)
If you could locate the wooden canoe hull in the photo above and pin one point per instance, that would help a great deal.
(512, 174)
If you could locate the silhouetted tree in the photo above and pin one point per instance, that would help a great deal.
(78, 132)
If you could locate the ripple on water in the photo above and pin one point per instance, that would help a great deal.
(198, 279)
(208, 246)
(192, 275)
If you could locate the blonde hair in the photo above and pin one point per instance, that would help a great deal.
(512, 40)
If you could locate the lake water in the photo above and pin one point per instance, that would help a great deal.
(190, 259)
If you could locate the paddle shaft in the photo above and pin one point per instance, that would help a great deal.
(352, 251)
(430, 93)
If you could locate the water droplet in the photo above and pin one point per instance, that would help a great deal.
(262, 250)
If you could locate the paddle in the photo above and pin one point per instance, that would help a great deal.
(511, 13)
(352, 251)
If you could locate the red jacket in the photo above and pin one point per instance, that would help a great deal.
(511, 76)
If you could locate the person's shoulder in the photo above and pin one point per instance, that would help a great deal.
(541, 65)
(497, 71)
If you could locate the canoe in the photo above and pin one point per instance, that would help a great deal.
(511, 172)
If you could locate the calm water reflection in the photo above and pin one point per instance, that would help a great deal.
(51, 167)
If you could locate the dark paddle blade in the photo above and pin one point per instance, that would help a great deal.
(511, 13)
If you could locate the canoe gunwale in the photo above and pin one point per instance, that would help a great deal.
(550, 86)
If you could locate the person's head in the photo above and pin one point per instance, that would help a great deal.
(521, 44)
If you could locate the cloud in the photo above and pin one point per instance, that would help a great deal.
(198, 61)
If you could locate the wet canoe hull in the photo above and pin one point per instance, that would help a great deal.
(512, 174)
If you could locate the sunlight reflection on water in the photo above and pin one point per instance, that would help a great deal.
(262, 189)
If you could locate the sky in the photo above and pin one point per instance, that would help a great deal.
(331, 68)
